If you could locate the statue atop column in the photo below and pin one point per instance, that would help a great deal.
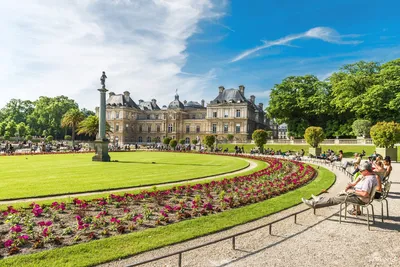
(103, 80)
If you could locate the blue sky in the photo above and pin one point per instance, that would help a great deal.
(150, 48)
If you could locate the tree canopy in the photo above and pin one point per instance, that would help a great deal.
(362, 90)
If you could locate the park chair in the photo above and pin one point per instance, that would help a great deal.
(366, 205)
(385, 193)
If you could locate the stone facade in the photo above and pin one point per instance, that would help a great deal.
(229, 113)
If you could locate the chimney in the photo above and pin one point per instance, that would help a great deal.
(184, 102)
(202, 102)
(154, 102)
(221, 89)
(140, 101)
(110, 94)
(261, 106)
(176, 97)
(126, 96)
(241, 89)
(252, 99)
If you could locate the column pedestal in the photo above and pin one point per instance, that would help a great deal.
(101, 148)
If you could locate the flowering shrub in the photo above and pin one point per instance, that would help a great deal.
(82, 220)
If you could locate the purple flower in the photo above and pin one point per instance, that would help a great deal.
(24, 237)
(16, 229)
(8, 243)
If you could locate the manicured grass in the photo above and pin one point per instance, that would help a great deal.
(28, 176)
(348, 150)
(100, 251)
(260, 165)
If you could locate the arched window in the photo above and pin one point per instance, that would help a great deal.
(187, 140)
(140, 139)
(148, 139)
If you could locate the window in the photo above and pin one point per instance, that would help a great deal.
(238, 113)
(197, 128)
(226, 127)
(238, 128)
(140, 128)
(117, 115)
(187, 140)
(148, 116)
(126, 127)
(140, 139)
(148, 139)
(226, 113)
(108, 115)
(158, 128)
(187, 128)
(193, 116)
(156, 117)
(117, 127)
(149, 128)
(214, 114)
(214, 128)
(170, 128)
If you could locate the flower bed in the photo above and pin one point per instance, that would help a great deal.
(60, 224)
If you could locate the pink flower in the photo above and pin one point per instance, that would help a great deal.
(16, 229)
(8, 243)
(49, 223)
(135, 218)
(23, 237)
(126, 210)
(37, 210)
(78, 218)
(41, 223)
(115, 220)
(45, 232)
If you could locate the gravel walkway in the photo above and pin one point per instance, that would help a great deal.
(316, 240)
(251, 166)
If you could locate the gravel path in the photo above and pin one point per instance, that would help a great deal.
(316, 240)
(251, 166)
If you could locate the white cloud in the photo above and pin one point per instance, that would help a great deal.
(323, 33)
(61, 47)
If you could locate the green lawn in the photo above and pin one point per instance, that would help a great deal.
(114, 248)
(41, 175)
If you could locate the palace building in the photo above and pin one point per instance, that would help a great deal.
(145, 122)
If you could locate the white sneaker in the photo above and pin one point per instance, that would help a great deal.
(315, 198)
(309, 203)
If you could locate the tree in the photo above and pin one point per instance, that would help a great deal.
(49, 138)
(182, 141)
(21, 129)
(385, 134)
(16, 110)
(72, 118)
(361, 127)
(167, 140)
(209, 141)
(11, 128)
(90, 126)
(314, 136)
(7, 136)
(28, 137)
(194, 141)
(173, 143)
(3, 126)
(260, 138)
(229, 137)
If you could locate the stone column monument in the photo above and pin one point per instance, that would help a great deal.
(101, 143)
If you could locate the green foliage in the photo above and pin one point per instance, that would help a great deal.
(21, 129)
(67, 137)
(6, 135)
(28, 137)
(182, 141)
(314, 136)
(209, 141)
(260, 138)
(230, 137)
(173, 143)
(385, 134)
(11, 128)
(71, 119)
(167, 140)
(49, 138)
(194, 141)
(90, 126)
(3, 126)
(361, 127)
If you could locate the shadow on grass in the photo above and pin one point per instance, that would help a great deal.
(165, 163)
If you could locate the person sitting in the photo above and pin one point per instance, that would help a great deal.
(357, 192)
(387, 165)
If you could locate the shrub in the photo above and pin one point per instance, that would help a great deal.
(194, 142)
(385, 134)
(209, 141)
(260, 138)
(314, 136)
(361, 127)
(67, 137)
(230, 137)
(49, 138)
(173, 143)
(167, 140)
(28, 137)
(182, 141)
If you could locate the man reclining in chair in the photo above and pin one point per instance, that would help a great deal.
(355, 193)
